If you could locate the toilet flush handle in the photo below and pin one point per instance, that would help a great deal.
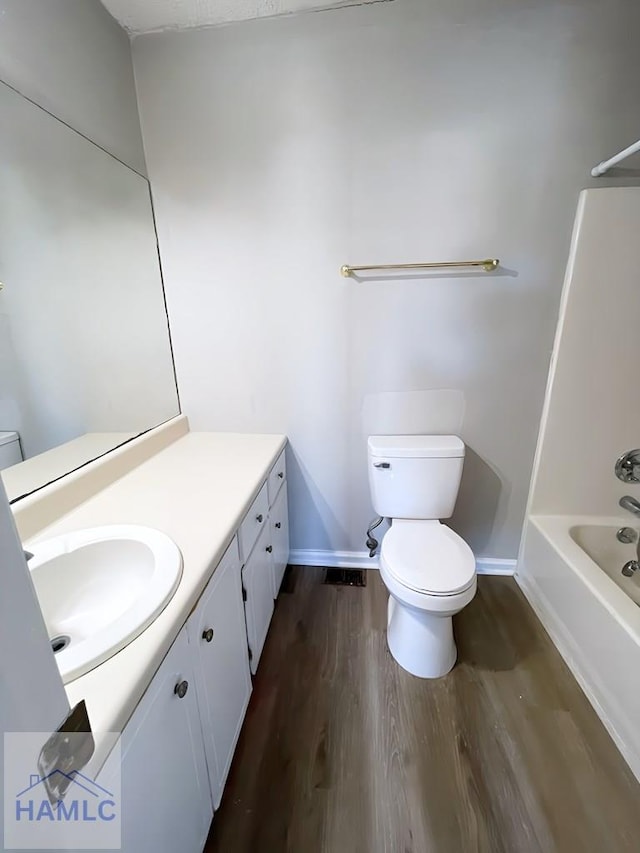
(382, 465)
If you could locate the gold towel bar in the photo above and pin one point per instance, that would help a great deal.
(488, 265)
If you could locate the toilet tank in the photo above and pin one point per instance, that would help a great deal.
(415, 476)
(10, 451)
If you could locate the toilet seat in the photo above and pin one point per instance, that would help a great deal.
(428, 557)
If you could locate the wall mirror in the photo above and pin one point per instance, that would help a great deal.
(85, 352)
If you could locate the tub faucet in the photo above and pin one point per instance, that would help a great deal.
(627, 466)
(630, 504)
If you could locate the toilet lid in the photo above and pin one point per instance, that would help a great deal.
(428, 557)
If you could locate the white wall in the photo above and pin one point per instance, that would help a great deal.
(73, 59)
(280, 149)
(593, 405)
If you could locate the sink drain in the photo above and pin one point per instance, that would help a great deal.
(60, 643)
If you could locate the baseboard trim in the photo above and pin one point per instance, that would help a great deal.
(495, 566)
(361, 560)
(334, 559)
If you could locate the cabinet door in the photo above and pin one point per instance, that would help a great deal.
(257, 578)
(277, 477)
(279, 522)
(166, 803)
(253, 523)
(218, 635)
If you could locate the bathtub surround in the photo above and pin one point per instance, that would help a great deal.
(591, 417)
(281, 149)
(596, 353)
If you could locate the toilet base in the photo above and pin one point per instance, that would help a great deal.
(421, 642)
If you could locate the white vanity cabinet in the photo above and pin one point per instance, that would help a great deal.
(276, 478)
(264, 547)
(218, 637)
(178, 746)
(257, 581)
(279, 524)
(166, 802)
(254, 522)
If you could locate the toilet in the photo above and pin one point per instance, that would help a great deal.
(429, 570)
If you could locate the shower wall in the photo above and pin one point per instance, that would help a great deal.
(592, 410)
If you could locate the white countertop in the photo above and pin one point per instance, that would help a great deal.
(196, 491)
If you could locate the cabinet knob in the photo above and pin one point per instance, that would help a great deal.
(208, 635)
(181, 689)
(278, 525)
(280, 475)
(259, 518)
(269, 549)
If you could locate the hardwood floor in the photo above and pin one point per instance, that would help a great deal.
(343, 751)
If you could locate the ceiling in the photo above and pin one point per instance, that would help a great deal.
(145, 16)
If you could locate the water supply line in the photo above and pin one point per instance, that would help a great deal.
(372, 542)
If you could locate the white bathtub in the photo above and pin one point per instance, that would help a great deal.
(599, 541)
(569, 569)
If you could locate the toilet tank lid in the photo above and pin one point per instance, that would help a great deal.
(416, 446)
(8, 437)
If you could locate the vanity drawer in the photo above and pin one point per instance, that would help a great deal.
(277, 476)
(254, 521)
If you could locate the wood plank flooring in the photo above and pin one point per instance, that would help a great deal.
(344, 752)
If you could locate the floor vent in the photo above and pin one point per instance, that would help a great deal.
(346, 577)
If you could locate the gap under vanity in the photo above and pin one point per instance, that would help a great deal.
(297, 553)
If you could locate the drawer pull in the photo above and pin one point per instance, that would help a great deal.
(269, 549)
(207, 635)
(259, 518)
(278, 525)
(280, 475)
(181, 689)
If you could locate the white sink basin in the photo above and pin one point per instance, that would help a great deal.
(100, 588)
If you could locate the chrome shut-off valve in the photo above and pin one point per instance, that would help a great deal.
(627, 467)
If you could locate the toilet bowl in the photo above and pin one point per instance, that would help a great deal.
(430, 574)
(429, 571)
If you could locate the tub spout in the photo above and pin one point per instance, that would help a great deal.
(630, 504)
